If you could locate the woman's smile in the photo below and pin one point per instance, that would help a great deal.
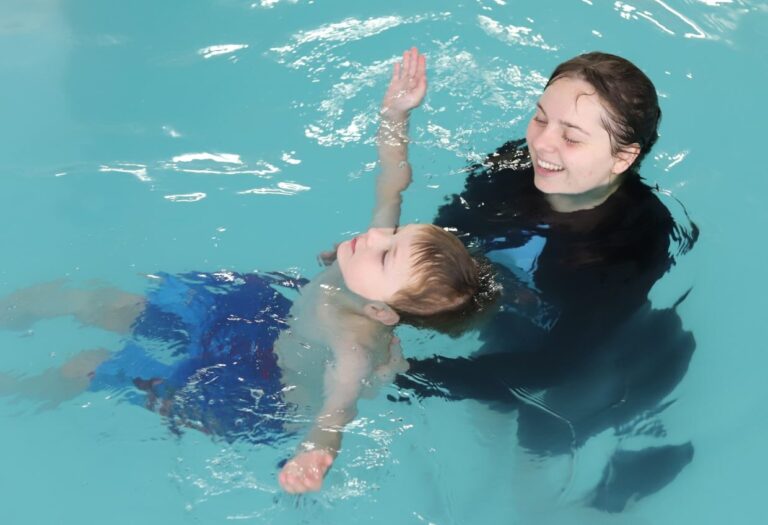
(546, 169)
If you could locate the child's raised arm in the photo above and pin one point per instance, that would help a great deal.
(406, 91)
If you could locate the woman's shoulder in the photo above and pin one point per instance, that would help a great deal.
(497, 190)
(512, 156)
(503, 173)
(662, 210)
(635, 220)
(639, 201)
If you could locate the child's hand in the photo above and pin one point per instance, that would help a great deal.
(328, 257)
(408, 86)
(397, 364)
(305, 472)
(385, 373)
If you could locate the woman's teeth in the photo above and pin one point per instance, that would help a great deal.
(549, 166)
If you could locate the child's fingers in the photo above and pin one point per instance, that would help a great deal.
(422, 84)
(290, 478)
(417, 78)
(286, 482)
(413, 63)
(422, 68)
(305, 476)
(406, 64)
(396, 72)
(293, 484)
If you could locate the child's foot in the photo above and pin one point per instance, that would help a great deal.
(54, 386)
(23, 308)
(80, 367)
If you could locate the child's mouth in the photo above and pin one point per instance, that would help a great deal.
(353, 243)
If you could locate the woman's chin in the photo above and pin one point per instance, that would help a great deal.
(548, 182)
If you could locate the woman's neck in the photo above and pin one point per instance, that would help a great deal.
(567, 203)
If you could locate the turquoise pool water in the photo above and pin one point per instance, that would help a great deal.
(224, 134)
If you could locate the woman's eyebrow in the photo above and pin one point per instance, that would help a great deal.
(565, 122)
(574, 126)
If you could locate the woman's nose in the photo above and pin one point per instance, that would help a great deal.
(545, 140)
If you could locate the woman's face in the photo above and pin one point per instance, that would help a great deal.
(570, 148)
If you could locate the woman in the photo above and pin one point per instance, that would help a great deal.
(579, 240)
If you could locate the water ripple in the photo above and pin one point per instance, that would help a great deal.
(283, 188)
(222, 164)
(347, 30)
(229, 158)
(324, 39)
(716, 16)
(137, 170)
(518, 35)
(221, 49)
(186, 197)
(271, 3)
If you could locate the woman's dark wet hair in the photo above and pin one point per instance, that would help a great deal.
(628, 95)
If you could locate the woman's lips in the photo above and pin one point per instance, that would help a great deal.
(544, 171)
(353, 243)
(541, 170)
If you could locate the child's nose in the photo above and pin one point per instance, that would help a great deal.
(379, 236)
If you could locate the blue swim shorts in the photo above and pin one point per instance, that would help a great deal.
(201, 354)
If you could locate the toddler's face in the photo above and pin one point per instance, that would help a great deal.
(378, 263)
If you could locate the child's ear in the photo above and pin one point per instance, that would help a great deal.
(382, 313)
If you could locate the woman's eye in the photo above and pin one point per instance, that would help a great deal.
(539, 120)
(570, 141)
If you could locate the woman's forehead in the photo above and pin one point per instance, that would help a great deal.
(572, 95)
(574, 100)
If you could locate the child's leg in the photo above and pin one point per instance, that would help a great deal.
(109, 308)
(56, 385)
(105, 307)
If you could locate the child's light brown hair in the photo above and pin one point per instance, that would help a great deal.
(445, 275)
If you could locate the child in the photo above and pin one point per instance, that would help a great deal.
(341, 326)
(416, 270)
